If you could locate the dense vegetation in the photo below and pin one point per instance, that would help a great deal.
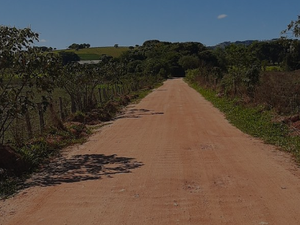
(257, 87)
(79, 46)
(261, 73)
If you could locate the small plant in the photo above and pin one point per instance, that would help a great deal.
(78, 117)
(8, 185)
(35, 152)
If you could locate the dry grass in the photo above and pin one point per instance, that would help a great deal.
(280, 91)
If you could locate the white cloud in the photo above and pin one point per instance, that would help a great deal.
(222, 16)
(43, 40)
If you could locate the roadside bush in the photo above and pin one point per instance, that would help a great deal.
(192, 74)
(35, 152)
(280, 91)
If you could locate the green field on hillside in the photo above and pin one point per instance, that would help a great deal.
(97, 52)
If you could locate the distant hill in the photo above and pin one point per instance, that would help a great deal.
(227, 43)
(97, 52)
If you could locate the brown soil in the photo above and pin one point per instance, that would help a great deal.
(171, 159)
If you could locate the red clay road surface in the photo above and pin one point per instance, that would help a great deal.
(171, 159)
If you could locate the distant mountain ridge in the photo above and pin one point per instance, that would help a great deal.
(246, 43)
(227, 43)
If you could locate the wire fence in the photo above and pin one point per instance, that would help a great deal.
(36, 120)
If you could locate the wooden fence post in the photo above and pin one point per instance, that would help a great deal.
(62, 115)
(106, 93)
(55, 120)
(41, 116)
(28, 125)
(73, 105)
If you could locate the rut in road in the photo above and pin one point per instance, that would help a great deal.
(171, 159)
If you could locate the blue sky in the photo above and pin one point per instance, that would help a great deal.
(131, 22)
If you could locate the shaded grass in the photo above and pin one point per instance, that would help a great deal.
(89, 57)
(254, 121)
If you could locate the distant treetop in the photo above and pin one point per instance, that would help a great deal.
(79, 46)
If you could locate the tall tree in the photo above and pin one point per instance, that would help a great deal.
(68, 57)
(23, 71)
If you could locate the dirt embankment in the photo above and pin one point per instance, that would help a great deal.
(171, 159)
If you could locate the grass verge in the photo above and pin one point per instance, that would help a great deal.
(254, 121)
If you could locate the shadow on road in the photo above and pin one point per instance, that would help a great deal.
(82, 168)
(137, 113)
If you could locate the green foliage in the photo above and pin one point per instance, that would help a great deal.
(44, 48)
(41, 148)
(169, 59)
(68, 57)
(189, 62)
(254, 121)
(294, 27)
(208, 58)
(292, 59)
(283, 53)
(243, 71)
(89, 57)
(79, 46)
(192, 74)
(80, 82)
(8, 185)
(35, 152)
(79, 116)
(23, 69)
(272, 52)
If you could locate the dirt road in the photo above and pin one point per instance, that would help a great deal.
(171, 159)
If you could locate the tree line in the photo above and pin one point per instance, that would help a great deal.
(261, 72)
(79, 46)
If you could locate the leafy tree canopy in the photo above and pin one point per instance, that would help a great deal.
(294, 27)
(79, 46)
(23, 71)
